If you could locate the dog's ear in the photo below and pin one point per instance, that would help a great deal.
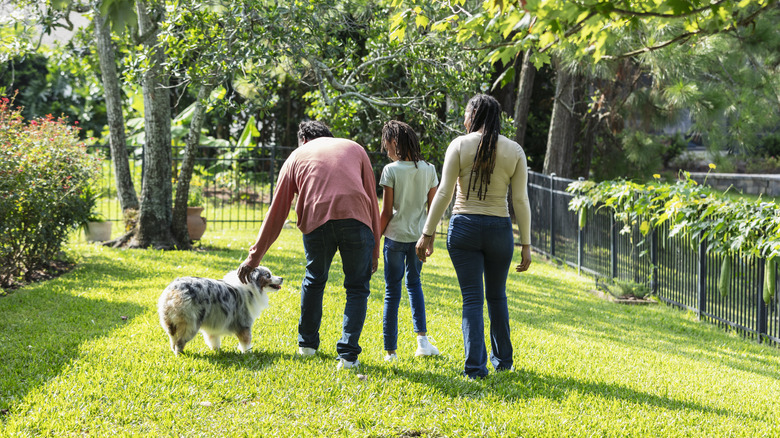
(255, 276)
(259, 276)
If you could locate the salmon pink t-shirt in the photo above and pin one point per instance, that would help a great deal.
(333, 179)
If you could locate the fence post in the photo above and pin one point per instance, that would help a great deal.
(580, 244)
(613, 245)
(654, 261)
(701, 283)
(762, 309)
(552, 215)
(273, 170)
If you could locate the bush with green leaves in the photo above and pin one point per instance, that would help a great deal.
(727, 225)
(44, 174)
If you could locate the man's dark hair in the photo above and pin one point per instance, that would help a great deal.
(310, 129)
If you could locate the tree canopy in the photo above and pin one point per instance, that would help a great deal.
(506, 28)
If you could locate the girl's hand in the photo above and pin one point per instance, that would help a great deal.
(525, 262)
(424, 247)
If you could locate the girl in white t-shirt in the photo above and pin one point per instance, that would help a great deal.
(409, 185)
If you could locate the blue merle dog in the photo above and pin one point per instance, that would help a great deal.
(215, 307)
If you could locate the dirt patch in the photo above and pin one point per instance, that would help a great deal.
(53, 270)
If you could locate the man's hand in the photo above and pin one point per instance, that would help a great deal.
(244, 270)
(525, 261)
(374, 266)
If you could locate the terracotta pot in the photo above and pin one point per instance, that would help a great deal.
(98, 231)
(196, 225)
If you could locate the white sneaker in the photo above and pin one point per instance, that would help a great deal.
(425, 348)
(306, 351)
(391, 357)
(345, 364)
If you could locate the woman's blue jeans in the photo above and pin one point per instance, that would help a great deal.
(400, 258)
(355, 242)
(481, 250)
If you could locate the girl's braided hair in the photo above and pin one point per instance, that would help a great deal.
(407, 146)
(486, 115)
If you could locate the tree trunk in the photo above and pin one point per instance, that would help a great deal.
(560, 140)
(523, 102)
(128, 199)
(154, 220)
(503, 94)
(586, 139)
(180, 232)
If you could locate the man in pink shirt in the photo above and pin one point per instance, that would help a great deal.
(337, 209)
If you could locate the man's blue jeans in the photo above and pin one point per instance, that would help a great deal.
(481, 248)
(355, 242)
(400, 258)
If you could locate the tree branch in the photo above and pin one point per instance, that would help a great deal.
(684, 36)
(661, 15)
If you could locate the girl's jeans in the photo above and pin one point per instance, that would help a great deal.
(481, 248)
(400, 257)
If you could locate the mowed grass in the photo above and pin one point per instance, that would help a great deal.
(84, 354)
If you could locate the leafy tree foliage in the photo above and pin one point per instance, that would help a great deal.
(619, 58)
(589, 27)
(53, 80)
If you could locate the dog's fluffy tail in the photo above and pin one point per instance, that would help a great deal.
(179, 325)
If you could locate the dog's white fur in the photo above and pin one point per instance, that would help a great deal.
(215, 307)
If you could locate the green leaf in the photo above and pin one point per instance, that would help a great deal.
(120, 13)
(441, 26)
(644, 228)
(248, 134)
(421, 20)
(770, 280)
(399, 33)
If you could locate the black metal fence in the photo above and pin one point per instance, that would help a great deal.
(680, 271)
(236, 183)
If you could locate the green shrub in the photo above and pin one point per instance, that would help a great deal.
(44, 174)
(728, 226)
(770, 145)
(623, 289)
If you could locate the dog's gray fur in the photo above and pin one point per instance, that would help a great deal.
(215, 307)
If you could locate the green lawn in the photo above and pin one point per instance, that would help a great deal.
(84, 355)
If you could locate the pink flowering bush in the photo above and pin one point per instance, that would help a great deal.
(45, 173)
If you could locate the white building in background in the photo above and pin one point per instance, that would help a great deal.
(10, 13)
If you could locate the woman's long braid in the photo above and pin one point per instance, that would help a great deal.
(407, 145)
(485, 115)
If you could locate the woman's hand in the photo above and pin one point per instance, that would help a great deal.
(525, 261)
(424, 247)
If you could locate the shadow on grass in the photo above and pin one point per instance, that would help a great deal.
(523, 385)
(653, 329)
(41, 331)
(252, 360)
